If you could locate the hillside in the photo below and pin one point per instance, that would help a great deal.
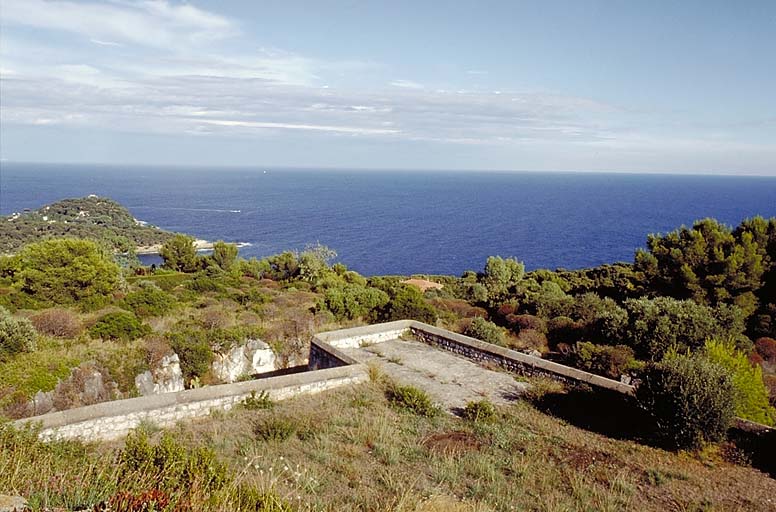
(91, 217)
(352, 449)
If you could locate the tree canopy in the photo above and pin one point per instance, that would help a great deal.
(65, 271)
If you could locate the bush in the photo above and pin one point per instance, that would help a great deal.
(486, 331)
(533, 339)
(66, 271)
(528, 322)
(169, 466)
(481, 410)
(16, 335)
(150, 300)
(58, 322)
(751, 393)
(407, 303)
(193, 349)
(770, 384)
(274, 429)
(766, 347)
(609, 361)
(412, 399)
(657, 325)
(353, 301)
(258, 401)
(563, 329)
(120, 325)
(690, 400)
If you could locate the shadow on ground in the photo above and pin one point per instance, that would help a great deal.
(618, 416)
(607, 413)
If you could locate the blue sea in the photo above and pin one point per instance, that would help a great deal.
(404, 222)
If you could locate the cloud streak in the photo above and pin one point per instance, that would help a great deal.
(154, 23)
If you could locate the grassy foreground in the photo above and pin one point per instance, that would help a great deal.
(351, 450)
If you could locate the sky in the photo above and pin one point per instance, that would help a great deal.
(659, 86)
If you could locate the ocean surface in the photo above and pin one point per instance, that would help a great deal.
(403, 222)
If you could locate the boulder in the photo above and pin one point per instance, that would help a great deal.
(250, 358)
(165, 378)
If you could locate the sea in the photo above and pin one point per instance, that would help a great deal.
(405, 222)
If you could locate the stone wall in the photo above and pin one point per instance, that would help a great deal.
(112, 420)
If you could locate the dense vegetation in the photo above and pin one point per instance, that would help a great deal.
(92, 217)
(693, 318)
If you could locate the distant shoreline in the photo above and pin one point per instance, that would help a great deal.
(199, 245)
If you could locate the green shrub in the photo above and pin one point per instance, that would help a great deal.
(274, 429)
(150, 300)
(412, 399)
(203, 283)
(168, 466)
(606, 360)
(119, 325)
(353, 301)
(481, 410)
(16, 335)
(486, 331)
(258, 401)
(751, 393)
(407, 303)
(690, 400)
(66, 271)
(193, 349)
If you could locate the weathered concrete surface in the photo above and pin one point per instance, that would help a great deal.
(450, 380)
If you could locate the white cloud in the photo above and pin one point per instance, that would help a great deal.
(155, 23)
(310, 127)
(406, 84)
(105, 43)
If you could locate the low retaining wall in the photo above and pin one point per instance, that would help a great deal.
(112, 420)
(366, 335)
(510, 360)
(323, 355)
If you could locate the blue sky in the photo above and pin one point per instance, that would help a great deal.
(658, 86)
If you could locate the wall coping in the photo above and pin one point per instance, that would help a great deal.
(365, 330)
(153, 402)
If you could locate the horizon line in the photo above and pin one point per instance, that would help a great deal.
(259, 167)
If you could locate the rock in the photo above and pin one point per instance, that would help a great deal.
(166, 378)
(12, 503)
(42, 402)
(534, 353)
(253, 357)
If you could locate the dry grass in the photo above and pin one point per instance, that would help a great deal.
(351, 451)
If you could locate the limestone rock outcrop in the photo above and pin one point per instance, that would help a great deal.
(167, 377)
(250, 358)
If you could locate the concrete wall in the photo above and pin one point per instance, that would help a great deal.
(112, 420)
(470, 348)
(366, 335)
(510, 360)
